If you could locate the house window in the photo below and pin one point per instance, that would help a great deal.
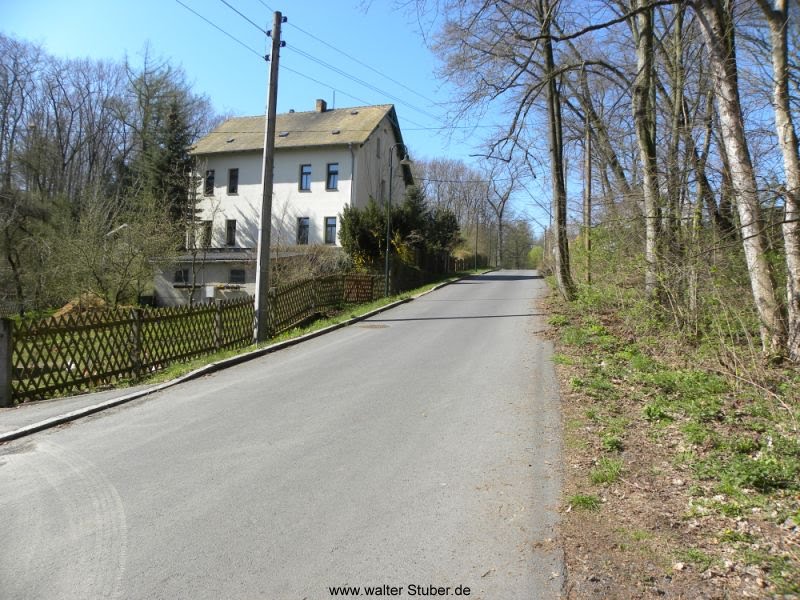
(330, 230)
(305, 178)
(332, 181)
(191, 238)
(378, 147)
(206, 228)
(302, 231)
(208, 188)
(230, 232)
(236, 276)
(383, 190)
(233, 181)
(181, 276)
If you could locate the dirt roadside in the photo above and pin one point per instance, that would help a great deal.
(640, 519)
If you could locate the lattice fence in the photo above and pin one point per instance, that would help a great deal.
(73, 353)
(360, 288)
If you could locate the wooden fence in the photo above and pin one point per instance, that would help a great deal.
(78, 352)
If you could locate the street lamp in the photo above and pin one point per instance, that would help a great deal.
(405, 162)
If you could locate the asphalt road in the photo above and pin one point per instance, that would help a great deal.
(420, 448)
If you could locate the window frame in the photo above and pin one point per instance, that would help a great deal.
(183, 279)
(330, 240)
(332, 175)
(209, 183)
(301, 181)
(235, 280)
(230, 240)
(206, 233)
(233, 181)
(303, 224)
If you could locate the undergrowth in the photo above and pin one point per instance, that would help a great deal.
(737, 431)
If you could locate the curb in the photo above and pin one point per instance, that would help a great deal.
(202, 371)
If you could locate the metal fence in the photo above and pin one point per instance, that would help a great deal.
(78, 352)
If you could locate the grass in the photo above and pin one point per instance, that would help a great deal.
(697, 557)
(607, 471)
(584, 502)
(734, 446)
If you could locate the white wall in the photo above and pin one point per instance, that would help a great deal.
(213, 273)
(365, 163)
(289, 203)
(372, 167)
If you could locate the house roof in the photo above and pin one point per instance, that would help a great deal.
(341, 126)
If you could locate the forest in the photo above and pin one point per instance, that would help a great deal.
(94, 172)
(674, 121)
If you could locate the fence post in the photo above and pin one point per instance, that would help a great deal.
(6, 348)
(272, 312)
(218, 323)
(136, 341)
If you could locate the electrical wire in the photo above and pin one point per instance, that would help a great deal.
(361, 82)
(362, 63)
(420, 127)
(253, 23)
(337, 70)
(265, 5)
(221, 30)
(296, 72)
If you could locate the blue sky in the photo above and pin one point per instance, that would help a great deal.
(384, 42)
(234, 77)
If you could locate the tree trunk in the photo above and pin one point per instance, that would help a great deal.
(566, 287)
(718, 29)
(644, 117)
(778, 19)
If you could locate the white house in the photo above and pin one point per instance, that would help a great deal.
(324, 160)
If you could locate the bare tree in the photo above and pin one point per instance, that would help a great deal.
(777, 16)
(716, 18)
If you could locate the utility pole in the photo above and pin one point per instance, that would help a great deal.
(262, 329)
(477, 215)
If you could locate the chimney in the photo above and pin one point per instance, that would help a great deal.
(322, 106)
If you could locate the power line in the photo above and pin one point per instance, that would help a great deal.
(486, 181)
(361, 82)
(221, 30)
(284, 67)
(323, 83)
(355, 129)
(265, 5)
(362, 63)
(542, 206)
(336, 69)
(234, 9)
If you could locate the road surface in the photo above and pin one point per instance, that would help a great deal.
(416, 453)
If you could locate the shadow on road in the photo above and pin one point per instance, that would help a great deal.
(496, 277)
(457, 318)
